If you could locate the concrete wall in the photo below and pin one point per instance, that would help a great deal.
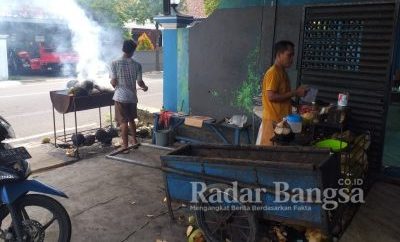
(289, 28)
(148, 60)
(218, 51)
(219, 46)
(3, 58)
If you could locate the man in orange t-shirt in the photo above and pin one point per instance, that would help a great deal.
(276, 93)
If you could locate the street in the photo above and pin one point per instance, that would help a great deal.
(114, 201)
(26, 105)
(108, 200)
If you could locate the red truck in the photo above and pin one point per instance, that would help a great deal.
(37, 42)
(43, 59)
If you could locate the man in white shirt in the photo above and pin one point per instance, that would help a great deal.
(125, 72)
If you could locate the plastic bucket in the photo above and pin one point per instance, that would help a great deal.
(163, 137)
(295, 123)
(333, 144)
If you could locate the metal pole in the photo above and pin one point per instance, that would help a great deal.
(76, 131)
(100, 116)
(167, 7)
(54, 126)
(134, 162)
(253, 133)
(169, 200)
(157, 48)
(157, 146)
(65, 136)
(111, 120)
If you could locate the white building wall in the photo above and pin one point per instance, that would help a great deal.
(3, 58)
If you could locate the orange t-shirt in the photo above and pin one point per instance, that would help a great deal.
(277, 80)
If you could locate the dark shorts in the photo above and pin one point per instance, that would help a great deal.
(125, 112)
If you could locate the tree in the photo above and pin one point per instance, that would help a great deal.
(144, 43)
(102, 11)
(210, 6)
(115, 13)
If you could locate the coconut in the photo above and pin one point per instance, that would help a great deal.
(103, 136)
(89, 140)
(78, 139)
(112, 132)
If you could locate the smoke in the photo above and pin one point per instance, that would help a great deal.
(94, 45)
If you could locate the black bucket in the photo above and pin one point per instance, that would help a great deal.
(164, 137)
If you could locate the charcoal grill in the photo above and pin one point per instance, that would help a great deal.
(64, 103)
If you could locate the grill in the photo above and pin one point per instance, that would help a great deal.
(64, 103)
(349, 48)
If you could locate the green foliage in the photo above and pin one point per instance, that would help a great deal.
(144, 43)
(115, 13)
(127, 34)
(139, 10)
(183, 6)
(211, 5)
(243, 97)
(214, 93)
(102, 11)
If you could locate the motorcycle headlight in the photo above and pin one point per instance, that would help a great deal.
(23, 167)
(28, 169)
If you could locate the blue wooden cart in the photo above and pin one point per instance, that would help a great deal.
(253, 167)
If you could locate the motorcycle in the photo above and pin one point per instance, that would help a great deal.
(25, 216)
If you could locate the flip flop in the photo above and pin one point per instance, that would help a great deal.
(131, 143)
(123, 151)
(134, 146)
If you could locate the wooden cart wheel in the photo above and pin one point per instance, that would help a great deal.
(226, 225)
